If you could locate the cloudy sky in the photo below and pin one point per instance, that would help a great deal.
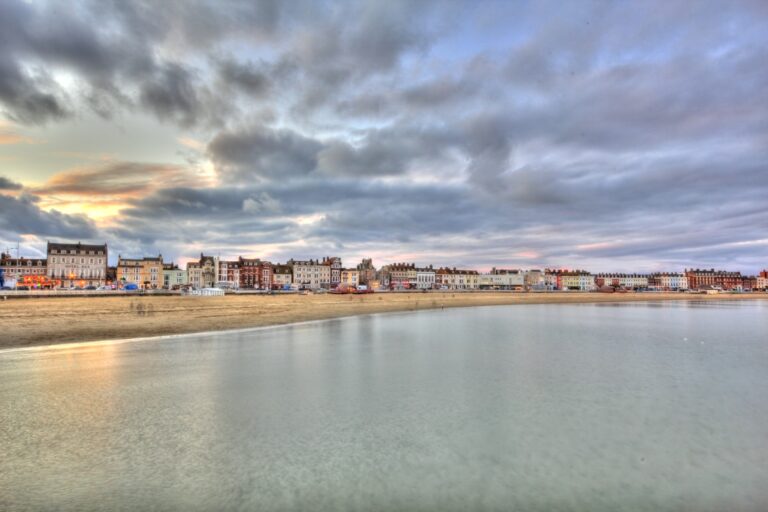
(611, 136)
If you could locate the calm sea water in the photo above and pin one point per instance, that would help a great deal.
(555, 407)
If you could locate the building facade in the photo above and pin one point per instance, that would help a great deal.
(334, 262)
(367, 271)
(501, 279)
(32, 272)
(400, 276)
(204, 272)
(146, 273)
(249, 273)
(625, 281)
(748, 283)
(577, 280)
(350, 277)
(255, 274)
(228, 275)
(534, 279)
(457, 279)
(551, 279)
(282, 277)
(174, 277)
(426, 278)
(699, 279)
(311, 274)
(77, 265)
(668, 281)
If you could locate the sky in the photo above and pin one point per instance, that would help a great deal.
(611, 136)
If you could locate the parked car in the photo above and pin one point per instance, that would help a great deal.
(90, 287)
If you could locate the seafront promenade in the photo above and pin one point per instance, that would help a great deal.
(51, 320)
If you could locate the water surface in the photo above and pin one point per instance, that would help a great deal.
(536, 407)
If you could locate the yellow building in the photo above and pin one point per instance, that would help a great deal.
(577, 281)
(350, 277)
(145, 272)
(453, 279)
(311, 274)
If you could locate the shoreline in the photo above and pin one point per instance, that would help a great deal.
(82, 320)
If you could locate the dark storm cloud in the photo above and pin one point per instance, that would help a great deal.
(22, 216)
(353, 213)
(116, 62)
(262, 152)
(266, 153)
(381, 153)
(172, 95)
(244, 76)
(28, 97)
(6, 184)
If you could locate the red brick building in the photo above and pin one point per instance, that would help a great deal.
(700, 278)
(749, 283)
(255, 274)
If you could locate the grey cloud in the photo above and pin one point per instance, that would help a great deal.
(363, 211)
(171, 95)
(112, 48)
(245, 76)
(375, 157)
(26, 98)
(260, 152)
(22, 216)
(6, 184)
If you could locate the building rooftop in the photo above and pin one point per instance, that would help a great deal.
(58, 247)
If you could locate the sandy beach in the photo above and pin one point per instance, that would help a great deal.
(52, 320)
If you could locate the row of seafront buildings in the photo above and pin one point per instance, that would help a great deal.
(87, 266)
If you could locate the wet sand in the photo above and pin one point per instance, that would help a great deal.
(52, 320)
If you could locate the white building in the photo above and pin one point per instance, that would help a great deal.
(762, 283)
(77, 264)
(311, 274)
(670, 281)
(550, 280)
(498, 279)
(425, 278)
(534, 279)
(575, 280)
(627, 281)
